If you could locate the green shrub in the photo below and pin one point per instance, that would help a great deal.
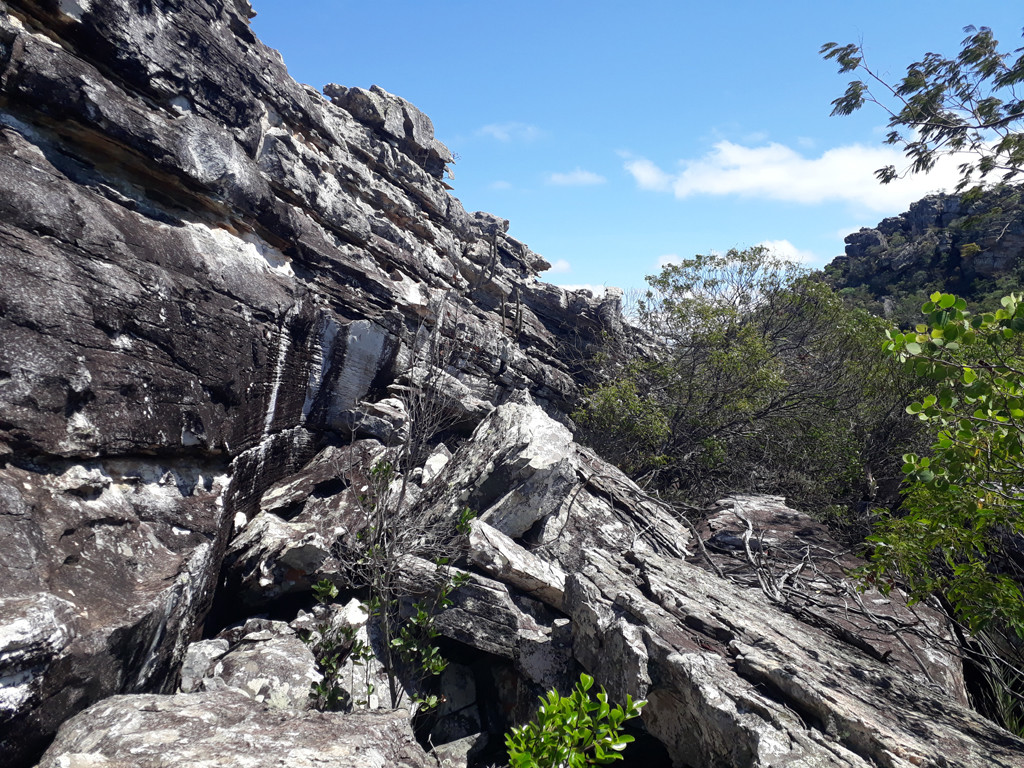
(965, 502)
(754, 378)
(572, 731)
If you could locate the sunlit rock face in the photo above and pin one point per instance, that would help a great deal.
(224, 296)
(966, 243)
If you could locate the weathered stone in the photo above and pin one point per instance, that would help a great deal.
(262, 659)
(108, 570)
(798, 558)
(461, 752)
(500, 557)
(198, 663)
(733, 682)
(210, 273)
(276, 670)
(226, 729)
(435, 462)
(525, 477)
(272, 557)
(397, 119)
(333, 465)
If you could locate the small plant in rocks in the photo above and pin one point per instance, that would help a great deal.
(573, 731)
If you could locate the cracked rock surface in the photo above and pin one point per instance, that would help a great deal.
(224, 297)
(230, 730)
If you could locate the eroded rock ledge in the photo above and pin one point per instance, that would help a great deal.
(219, 291)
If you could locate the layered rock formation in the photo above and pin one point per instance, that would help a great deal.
(971, 244)
(223, 296)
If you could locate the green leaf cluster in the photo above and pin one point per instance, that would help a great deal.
(965, 502)
(967, 105)
(573, 731)
(331, 647)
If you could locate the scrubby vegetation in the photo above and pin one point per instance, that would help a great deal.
(752, 375)
(757, 377)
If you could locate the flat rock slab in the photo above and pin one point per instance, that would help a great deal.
(225, 729)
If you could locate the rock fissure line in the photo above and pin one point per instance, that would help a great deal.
(216, 288)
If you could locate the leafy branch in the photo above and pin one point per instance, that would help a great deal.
(964, 105)
(573, 731)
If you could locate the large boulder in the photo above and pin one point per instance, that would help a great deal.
(109, 568)
(227, 729)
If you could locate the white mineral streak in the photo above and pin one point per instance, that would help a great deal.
(320, 362)
(230, 252)
(283, 343)
(363, 352)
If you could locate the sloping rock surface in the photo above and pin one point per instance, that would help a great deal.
(736, 672)
(229, 730)
(206, 267)
(224, 297)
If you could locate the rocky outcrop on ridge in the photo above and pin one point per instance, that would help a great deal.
(971, 244)
(224, 295)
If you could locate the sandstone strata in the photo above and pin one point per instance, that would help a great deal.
(224, 295)
(963, 243)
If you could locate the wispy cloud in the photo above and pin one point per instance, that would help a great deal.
(499, 185)
(786, 250)
(576, 178)
(648, 175)
(560, 267)
(668, 258)
(511, 131)
(777, 172)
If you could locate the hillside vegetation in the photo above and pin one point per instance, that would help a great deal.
(970, 244)
(905, 357)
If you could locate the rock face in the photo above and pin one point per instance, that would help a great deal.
(206, 267)
(230, 731)
(224, 297)
(971, 245)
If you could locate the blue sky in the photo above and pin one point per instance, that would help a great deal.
(617, 136)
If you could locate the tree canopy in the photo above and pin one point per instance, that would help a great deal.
(968, 105)
(758, 379)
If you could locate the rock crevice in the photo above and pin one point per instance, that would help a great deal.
(224, 296)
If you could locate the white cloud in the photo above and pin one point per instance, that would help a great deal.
(559, 267)
(511, 131)
(648, 175)
(668, 258)
(786, 250)
(576, 178)
(597, 290)
(500, 185)
(777, 172)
